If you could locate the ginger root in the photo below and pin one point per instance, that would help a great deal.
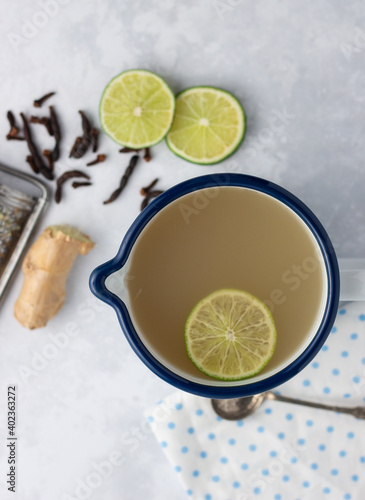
(45, 269)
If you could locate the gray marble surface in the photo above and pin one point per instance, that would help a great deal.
(82, 400)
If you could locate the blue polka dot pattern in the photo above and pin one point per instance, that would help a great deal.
(333, 463)
(189, 492)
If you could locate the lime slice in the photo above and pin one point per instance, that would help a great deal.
(137, 108)
(209, 125)
(230, 335)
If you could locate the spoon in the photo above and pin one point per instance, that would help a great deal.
(236, 409)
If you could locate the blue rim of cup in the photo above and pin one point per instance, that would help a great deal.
(101, 273)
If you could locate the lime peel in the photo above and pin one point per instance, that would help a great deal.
(137, 108)
(209, 125)
(230, 335)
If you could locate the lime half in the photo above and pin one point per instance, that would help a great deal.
(137, 108)
(209, 125)
(230, 335)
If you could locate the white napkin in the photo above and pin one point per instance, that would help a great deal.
(282, 451)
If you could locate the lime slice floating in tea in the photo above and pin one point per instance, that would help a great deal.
(137, 108)
(230, 335)
(208, 126)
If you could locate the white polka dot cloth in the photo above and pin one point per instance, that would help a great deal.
(282, 451)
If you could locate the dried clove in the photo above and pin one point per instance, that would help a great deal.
(129, 150)
(13, 133)
(41, 166)
(37, 103)
(98, 159)
(86, 127)
(55, 126)
(129, 170)
(75, 148)
(80, 184)
(63, 178)
(94, 134)
(145, 190)
(149, 197)
(44, 120)
(147, 154)
(29, 159)
(82, 144)
(48, 154)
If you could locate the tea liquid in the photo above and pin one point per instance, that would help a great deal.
(224, 237)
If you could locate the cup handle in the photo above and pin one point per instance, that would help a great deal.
(352, 278)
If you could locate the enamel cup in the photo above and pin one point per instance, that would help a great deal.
(106, 282)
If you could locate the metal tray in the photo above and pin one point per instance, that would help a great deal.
(35, 188)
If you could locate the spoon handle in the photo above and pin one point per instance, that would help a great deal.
(358, 412)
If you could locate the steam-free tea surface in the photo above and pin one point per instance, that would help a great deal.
(216, 238)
